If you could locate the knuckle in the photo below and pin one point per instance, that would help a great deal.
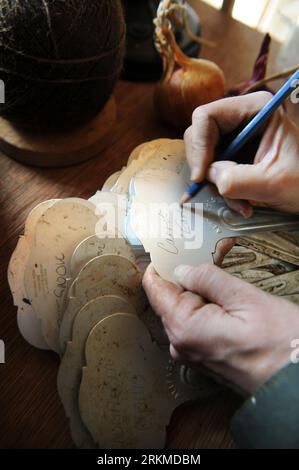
(200, 114)
(275, 182)
(226, 183)
(179, 341)
(183, 302)
(199, 275)
(205, 270)
(179, 338)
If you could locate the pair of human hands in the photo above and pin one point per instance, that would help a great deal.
(211, 318)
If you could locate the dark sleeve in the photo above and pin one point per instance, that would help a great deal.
(270, 418)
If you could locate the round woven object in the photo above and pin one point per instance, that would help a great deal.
(59, 60)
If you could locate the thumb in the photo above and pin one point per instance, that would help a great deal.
(206, 280)
(237, 181)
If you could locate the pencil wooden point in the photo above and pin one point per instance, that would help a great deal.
(186, 198)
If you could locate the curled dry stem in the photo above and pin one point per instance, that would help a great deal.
(172, 13)
(264, 81)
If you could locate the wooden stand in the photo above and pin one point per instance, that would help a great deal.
(58, 150)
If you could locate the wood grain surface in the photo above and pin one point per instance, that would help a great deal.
(31, 415)
(58, 149)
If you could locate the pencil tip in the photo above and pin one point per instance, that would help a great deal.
(186, 197)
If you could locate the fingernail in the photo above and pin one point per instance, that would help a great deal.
(181, 272)
(246, 212)
(195, 172)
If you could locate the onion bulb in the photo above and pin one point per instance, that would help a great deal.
(186, 84)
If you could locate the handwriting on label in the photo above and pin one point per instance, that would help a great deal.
(168, 244)
(61, 279)
(177, 223)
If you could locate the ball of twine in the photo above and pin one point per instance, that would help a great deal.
(59, 60)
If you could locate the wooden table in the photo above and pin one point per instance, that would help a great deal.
(31, 415)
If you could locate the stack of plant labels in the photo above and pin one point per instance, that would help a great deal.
(76, 281)
(77, 284)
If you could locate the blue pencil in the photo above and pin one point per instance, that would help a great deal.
(250, 130)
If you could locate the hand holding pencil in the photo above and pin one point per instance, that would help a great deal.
(235, 320)
(273, 178)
